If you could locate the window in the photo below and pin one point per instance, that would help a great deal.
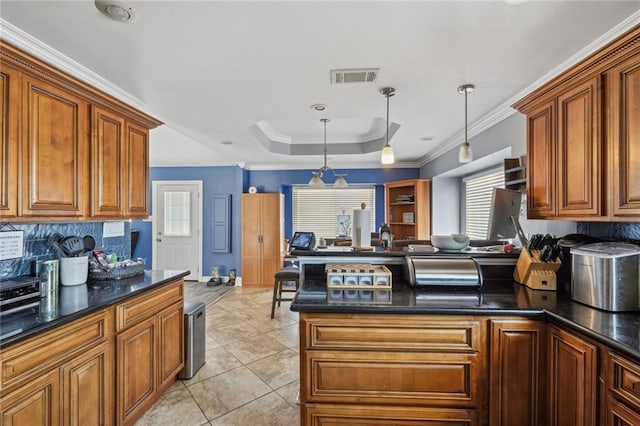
(478, 191)
(177, 213)
(317, 209)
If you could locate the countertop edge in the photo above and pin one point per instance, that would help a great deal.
(66, 319)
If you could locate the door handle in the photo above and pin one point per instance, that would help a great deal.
(159, 240)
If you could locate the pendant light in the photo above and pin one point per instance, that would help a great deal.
(465, 155)
(316, 181)
(387, 156)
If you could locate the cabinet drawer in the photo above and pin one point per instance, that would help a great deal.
(393, 333)
(425, 379)
(349, 415)
(624, 380)
(619, 415)
(137, 309)
(27, 360)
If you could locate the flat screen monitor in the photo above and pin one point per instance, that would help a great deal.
(504, 204)
(303, 241)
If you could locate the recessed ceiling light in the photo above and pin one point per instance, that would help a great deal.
(117, 10)
(318, 107)
(427, 138)
(227, 142)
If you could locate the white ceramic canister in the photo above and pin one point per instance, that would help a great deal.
(74, 270)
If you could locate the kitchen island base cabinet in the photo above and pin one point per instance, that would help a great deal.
(337, 415)
(517, 372)
(573, 379)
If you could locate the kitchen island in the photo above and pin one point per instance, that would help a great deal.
(102, 353)
(504, 355)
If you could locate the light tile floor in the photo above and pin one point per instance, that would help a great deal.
(251, 375)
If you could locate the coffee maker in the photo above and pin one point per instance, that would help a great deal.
(385, 235)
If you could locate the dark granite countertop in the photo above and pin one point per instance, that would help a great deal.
(402, 251)
(74, 302)
(621, 331)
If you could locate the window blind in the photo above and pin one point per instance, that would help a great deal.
(478, 192)
(316, 209)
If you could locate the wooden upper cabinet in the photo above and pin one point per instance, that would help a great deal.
(54, 151)
(579, 150)
(137, 171)
(119, 166)
(541, 160)
(9, 95)
(624, 137)
(108, 166)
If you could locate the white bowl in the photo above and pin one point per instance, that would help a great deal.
(450, 242)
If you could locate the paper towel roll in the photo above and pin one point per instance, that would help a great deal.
(361, 228)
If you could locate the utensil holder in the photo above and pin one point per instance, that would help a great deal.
(74, 270)
(534, 273)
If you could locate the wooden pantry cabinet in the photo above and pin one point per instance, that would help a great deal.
(262, 238)
(68, 151)
(408, 208)
(583, 138)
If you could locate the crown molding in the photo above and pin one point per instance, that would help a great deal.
(505, 110)
(43, 51)
(283, 166)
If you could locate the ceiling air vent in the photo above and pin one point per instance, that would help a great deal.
(354, 75)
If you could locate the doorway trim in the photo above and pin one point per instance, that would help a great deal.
(154, 225)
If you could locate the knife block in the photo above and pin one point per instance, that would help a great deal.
(534, 273)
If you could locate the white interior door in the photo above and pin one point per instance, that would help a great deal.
(177, 225)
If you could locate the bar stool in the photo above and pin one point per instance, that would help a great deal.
(284, 275)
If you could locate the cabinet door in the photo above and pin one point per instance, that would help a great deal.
(88, 397)
(572, 379)
(624, 137)
(579, 150)
(170, 343)
(271, 242)
(618, 414)
(349, 415)
(136, 369)
(55, 168)
(516, 379)
(251, 239)
(36, 403)
(541, 162)
(108, 175)
(137, 163)
(9, 119)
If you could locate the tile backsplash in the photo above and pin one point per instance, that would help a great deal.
(611, 230)
(35, 243)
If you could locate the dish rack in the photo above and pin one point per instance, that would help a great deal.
(358, 283)
(117, 273)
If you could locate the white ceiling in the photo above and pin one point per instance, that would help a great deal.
(213, 69)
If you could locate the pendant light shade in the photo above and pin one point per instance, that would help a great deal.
(387, 156)
(465, 155)
(316, 181)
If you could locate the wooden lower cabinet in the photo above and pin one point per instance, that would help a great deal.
(87, 384)
(37, 403)
(136, 377)
(516, 372)
(573, 379)
(335, 415)
(617, 414)
(150, 350)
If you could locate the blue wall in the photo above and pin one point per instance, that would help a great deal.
(235, 181)
(215, 180)
(281, 181)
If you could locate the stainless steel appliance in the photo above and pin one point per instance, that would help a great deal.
(385, 235)
(605, 276)
(442, 271)
(18, 294)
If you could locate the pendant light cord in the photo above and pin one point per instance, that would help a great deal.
(387, 119)
(466, 139)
